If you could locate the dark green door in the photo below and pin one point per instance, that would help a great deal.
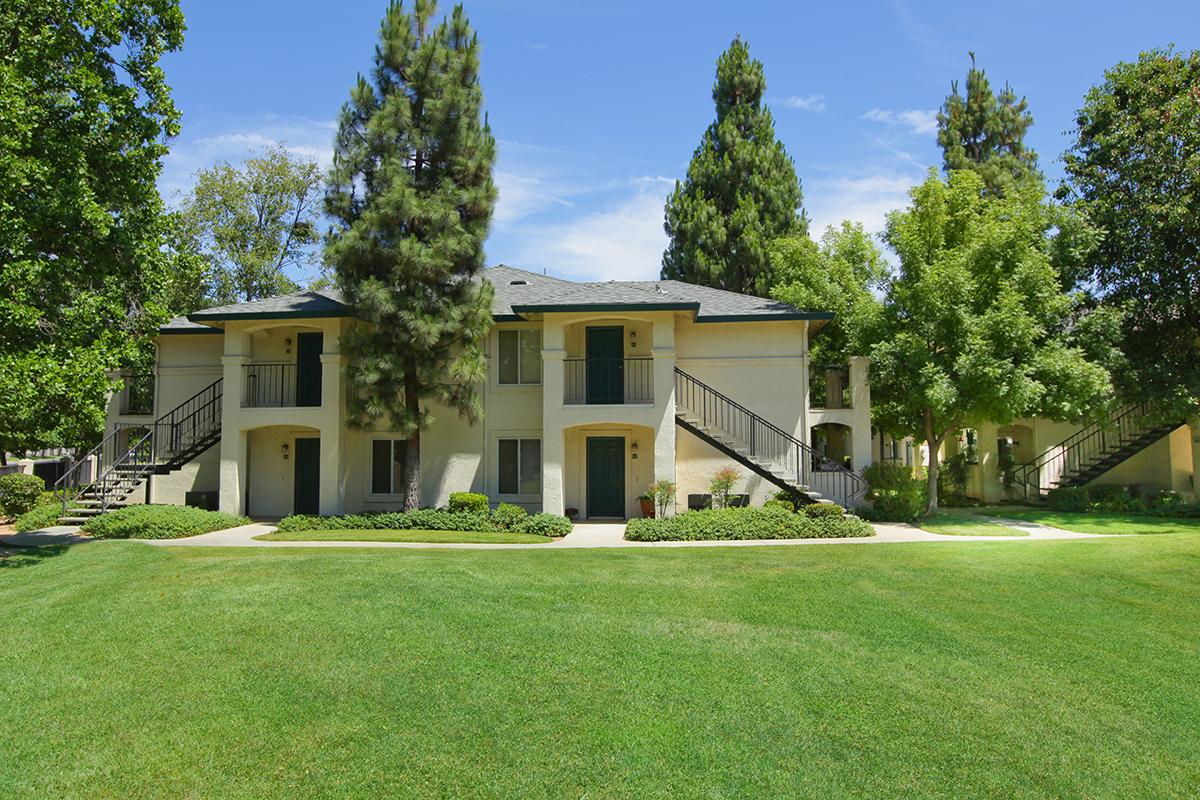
(308, 368)
(307, 485)
(606, 476)
(606, 364)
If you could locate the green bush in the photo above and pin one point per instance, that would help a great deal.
(545, 525)
(897, 495)
(1115, 498)
(1069, 498)
(509, 516)
(823, 510)
(159, 522)
(19, 493)
(40, 516)
(468, 501)
(785, 505)
(429, 519)
(745, 523)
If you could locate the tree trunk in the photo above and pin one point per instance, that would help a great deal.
(934, 443)
(412, 454)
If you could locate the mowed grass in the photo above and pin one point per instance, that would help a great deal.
(996, 669)
(1099, 522)
(473, 537)
(961, 523)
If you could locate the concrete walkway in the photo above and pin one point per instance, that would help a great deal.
(583, 536)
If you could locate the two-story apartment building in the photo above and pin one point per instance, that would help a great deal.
(594, 390)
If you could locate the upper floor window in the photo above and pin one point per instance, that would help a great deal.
(521, 356)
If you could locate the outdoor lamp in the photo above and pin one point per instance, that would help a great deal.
(285, 451)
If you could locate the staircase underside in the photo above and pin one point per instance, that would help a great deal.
(1110, 459)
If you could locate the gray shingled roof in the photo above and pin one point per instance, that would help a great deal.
(519, 292)
(184, 325)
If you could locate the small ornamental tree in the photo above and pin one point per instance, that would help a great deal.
(985, 132)
(1135, 169)
(741, 190)
(411, 194)
(974, 325)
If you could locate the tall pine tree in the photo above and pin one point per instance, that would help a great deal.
(741, 191)
(985, 132)
(412, 195)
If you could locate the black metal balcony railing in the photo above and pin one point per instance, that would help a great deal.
(137, 393)
(829, 388)
(281, 385)
(608, 381)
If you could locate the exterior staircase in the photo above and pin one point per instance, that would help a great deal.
(130, 454)
(1086, 455)
(762, 447)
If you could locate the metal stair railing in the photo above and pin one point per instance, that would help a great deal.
(169, 441)
(1085, 448)
(763, 442)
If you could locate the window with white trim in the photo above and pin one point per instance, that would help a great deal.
(387, 466)
(520, 357)
(520, 469)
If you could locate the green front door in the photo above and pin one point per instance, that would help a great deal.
(605, 364)
(307, 484)
(308, 368)
(606, 476)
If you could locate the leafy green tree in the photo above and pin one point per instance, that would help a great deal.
(84, 115)
(974, 324)
(253, 224)
(836, 275)
(412, 194)
(985, 132)
(741, 190)
(1134, 169)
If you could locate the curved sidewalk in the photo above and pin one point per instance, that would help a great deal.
(611, 536)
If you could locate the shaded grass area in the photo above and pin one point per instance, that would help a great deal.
(472, 537)
(1011, 669)
(1098, 521)
(961, 523)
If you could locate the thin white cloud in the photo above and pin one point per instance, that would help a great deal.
(623, 241)
(866, 199)
(811, 102)
(919, 121)
(522, 196)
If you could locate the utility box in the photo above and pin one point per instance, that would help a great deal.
(206, 500)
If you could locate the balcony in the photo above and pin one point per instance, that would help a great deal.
(281, 385)
(608, 381)
(137, 394)
(829, 388)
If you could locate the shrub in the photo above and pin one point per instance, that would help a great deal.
(432, 519)
(663, 492)
(721, 484)
(1069, 498)
(19, 493)
(509, 516)
(744, 523)
(816, 510)
(468, 501)
(159, 522)
(38, 517)
(897, 494)
(782, 499)
(785, 505)
(1114, 497)
(546, 525)
(1165, 501)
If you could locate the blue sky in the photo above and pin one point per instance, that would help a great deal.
(597, 106)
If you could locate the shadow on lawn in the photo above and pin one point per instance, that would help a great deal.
(17, 557)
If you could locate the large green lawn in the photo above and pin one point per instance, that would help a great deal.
(963, 523)
(990, 669)
(1098, 521)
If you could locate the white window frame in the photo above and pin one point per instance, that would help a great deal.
(521, 333)
(392, 440)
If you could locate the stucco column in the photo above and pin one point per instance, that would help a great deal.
(233, 438)
(553, 450)
(860, 398)
(1194, 424)
(664, 400)
(332, 496)
(804, 431)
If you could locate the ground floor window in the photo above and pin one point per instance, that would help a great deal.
(387, 466)
(520, 466)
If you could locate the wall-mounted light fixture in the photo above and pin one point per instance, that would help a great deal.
(633, 449)
(633, 339)
(285, 451)
(287, 344)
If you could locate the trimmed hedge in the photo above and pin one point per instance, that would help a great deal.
(472, 502)
(745, 523)
(159, 522)
(1117, 499)
(820, 510)
(20, 493)
(431, 519)
(897, 495)
(509, 516)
